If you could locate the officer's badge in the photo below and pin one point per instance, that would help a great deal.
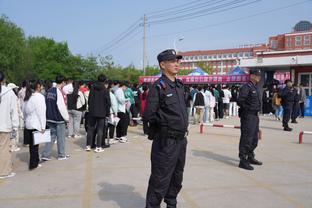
(169, 95)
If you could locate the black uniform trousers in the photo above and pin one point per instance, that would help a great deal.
(168, 160)
(33, 149)
(295, 111)
(249, 134)
(286, 115)
(302, 109)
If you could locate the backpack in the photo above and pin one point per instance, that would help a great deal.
(199, 99)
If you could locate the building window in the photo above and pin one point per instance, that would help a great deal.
(307, 40)
(274, 44)
(240, 54)
(224, 55)
(219, 56)
(191, 58)
(235, 55)
(298, 41)
(205, 57)
(288, 42)
(209, 57)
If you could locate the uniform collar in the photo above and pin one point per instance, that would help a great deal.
(252, 83)
(172, 84)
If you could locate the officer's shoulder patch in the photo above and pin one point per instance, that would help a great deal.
(162, 84)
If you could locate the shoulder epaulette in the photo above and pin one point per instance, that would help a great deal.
(162, 85)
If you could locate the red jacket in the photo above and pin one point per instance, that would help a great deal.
(143, 97)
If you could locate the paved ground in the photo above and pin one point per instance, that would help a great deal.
(118, 177)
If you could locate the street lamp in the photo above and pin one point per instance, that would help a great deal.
(174, 42)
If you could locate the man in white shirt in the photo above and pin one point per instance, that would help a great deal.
(226, 100)
(8, 122)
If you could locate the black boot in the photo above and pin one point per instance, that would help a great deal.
(287, 129)
(244, 164)
(252, 160)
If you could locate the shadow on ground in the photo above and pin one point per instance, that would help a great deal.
(23, 156)
(124, 195)
(215, 156)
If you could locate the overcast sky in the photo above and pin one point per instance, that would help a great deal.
(87, 26)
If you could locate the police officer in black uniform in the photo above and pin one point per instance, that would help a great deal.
(250, 104)
(288, 100)
(166, 114)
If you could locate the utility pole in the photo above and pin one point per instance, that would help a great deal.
(144, 45)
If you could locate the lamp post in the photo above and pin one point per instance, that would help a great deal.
(174, 42)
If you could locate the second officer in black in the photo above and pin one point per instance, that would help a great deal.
(166, 114)
(249, 102)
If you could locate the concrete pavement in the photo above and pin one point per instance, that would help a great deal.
(118, 177)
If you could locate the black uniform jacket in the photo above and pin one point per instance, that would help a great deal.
(166, 105)
(249, 98)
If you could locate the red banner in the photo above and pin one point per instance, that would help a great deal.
(281, 76)
(209, 79)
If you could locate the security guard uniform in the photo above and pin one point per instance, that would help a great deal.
(166, 114)
(288, 99)
(250, 104)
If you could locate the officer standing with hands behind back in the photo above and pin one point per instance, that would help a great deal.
(166, 114)
(249, 102)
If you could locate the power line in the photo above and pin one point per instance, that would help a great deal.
(187, 8)
(217, 9)
(172, 8)
(124, 42)
(132, 28)
(121, 36)
(236, 19)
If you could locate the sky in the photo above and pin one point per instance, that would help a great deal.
(88, 26)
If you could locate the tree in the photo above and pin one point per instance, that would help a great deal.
(205, 66)
(12, 48)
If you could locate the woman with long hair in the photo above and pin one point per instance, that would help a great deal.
(34, 110)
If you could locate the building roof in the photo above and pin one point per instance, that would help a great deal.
(222, 51)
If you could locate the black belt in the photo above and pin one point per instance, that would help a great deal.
(176, 134)
(255, 113)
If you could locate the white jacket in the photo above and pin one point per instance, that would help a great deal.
(35, 112)
(61, 105)
(227, 96)
(114, 103)
(8, 110)
(120, 96)
(81, 100)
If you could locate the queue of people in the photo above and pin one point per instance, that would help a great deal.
(105, 107)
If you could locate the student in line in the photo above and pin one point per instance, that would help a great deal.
(34, 110)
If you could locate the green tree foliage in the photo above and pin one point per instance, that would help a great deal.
(205, 66)
(43, 58)
(12, 47)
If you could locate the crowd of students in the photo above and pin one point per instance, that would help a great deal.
(209, 102)
(214, 102)
(105, 107)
